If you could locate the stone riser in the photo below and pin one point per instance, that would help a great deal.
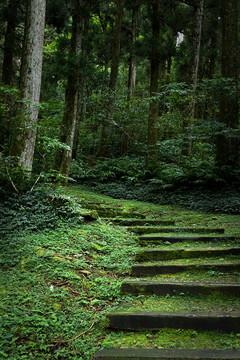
(152, 270)
(156, 229)
(156, 254)
(146, 320)
(146, 240)
(167, 288)
(141, 222)
(162, 354)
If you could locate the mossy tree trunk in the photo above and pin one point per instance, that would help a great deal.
(25, 128)
(227, 141)
(63, 156)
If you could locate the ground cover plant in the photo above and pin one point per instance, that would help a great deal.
(61, 272)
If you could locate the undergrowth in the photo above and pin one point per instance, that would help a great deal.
(216, 200)
(58, 278)
(195, 183)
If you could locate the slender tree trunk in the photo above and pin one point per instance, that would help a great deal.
(104, 148)
(193, 79)
(132, 62)
(116, 45)
(8, 70)
(81, 84)
(25, 129)
(227, 142)
(8, 74)
(131, 80)
(63, 157)
(152, 154)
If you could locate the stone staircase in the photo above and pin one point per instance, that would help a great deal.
(167, 250)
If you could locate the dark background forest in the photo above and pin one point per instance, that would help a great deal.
(138, 99)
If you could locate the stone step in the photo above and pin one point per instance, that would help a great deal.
(110, 212)
(146, 240)
(166, 354)
(148, 269)
(172, 288)
(140, 222)
(159, 229)
(170, 254)
(154, 320)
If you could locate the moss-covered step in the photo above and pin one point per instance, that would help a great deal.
(166, 354)
(170, 254)
(112, 212)
(148, 269)
(210, 276)
(159, 229)
(143, 287)
(159, 239)
(141, 222)
(154, 320)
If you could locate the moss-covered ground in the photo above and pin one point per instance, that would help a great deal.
(59, 280)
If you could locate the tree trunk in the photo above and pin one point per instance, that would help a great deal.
(132, 62)
(152, 153)
(25, 129)
(104, 148)
(8, 70)
(193, 78)
(8, 74)
(81, 85)
(63, 157)
(227, 142)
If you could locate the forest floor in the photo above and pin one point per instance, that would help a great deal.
(60, 280)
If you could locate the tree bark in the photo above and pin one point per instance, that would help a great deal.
(8, 74)
(132, 60)
(193, 78)
(81, 84)
(25, 129)
(152, 151)
(63, 157)
(227, 142)
(8, 71)
(104, 148)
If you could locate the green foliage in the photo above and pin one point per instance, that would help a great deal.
(9, 97)
(58, 279)
(31, 212)
(215, 198)
(50, 116)
(126, 168)
(128, 123)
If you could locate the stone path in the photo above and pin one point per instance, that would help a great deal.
(155, 261)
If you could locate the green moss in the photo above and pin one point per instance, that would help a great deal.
(171, 338)
(184, 302)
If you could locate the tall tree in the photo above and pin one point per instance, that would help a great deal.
(193, 73)
(63, 156)
(132, 60)
(25, 128)
(227, 141)
(105, 141)
(8, 71)
(154, 80)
